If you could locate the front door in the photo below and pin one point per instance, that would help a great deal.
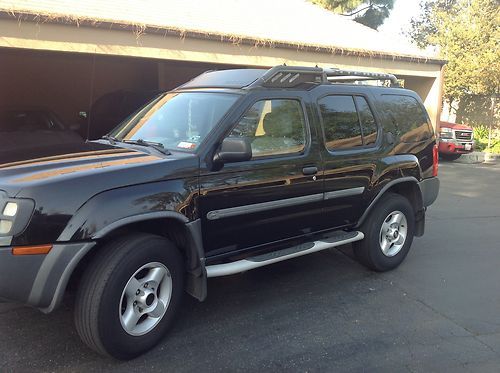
(276, 195)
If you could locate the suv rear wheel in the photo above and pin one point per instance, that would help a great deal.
(129, 295)
(388, 234)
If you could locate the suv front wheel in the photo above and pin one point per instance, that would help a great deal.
(129, 295)
(388, 232)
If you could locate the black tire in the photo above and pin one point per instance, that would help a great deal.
(368, 251)
(450, 157)
(99, 297)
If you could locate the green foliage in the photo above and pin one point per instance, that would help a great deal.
(467, 33)
(371, 13)
(481, 133)
(476, 110)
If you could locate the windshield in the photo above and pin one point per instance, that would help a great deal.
(176, 120)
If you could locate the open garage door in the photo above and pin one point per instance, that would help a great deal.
(51, 97)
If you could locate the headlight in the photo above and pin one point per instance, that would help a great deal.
(5, 226)
(10, 209)
(446, 133)
(15, 215)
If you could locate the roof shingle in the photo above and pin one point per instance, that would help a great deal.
(292, 22)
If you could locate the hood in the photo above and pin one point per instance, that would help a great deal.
(92, 166)
(455, 126)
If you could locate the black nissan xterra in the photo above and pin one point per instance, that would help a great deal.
(234, 170)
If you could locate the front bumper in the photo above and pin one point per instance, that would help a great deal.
(39, 280)
(430, 190)
(455, 147)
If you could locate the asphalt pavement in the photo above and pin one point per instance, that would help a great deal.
(439, 311)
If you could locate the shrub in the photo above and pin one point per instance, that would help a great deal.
(481, 133)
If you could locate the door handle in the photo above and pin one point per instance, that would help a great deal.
(313, 170)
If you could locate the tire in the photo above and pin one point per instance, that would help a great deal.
(373, 251)
(105, 307)
(450, 157)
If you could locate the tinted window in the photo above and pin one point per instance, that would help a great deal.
(177, 120)
(340, 121)
(274, 127)
(408, 119)
(367, 120)
(29, 120)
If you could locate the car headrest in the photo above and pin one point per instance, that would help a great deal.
(277, 124)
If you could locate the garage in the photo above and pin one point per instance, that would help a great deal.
(90, 65)
(81, 90)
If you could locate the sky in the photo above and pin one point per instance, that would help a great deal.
(400, 16)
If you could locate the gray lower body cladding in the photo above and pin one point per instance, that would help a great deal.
(430, 190)
(39, 280)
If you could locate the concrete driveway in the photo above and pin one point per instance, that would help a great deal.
(439, 311)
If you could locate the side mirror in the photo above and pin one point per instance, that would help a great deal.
(234, 149)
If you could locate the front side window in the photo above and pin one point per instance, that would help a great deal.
(178, 121)
(340, 122)
(274, 127)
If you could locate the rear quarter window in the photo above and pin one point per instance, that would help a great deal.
(407, 119)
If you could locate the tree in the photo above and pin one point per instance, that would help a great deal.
(371, 13)
(467, 33)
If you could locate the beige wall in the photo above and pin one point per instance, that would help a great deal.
(121, 42)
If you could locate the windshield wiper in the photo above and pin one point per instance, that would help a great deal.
(112, 140)
(155, 145)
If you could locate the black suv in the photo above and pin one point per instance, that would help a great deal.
(234, 170)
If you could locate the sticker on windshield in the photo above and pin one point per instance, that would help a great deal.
(186, 145)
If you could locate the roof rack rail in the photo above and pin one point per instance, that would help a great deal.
(339, 75)
(291, 76)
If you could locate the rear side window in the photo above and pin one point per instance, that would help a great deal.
(341, 122)
(408, 119)
(348, 122)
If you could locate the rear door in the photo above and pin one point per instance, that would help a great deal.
(350, 148)
(276, 195)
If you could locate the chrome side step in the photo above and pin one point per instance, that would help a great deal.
(341, 238)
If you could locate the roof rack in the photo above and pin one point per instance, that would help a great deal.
(334, 74)
(291, 76)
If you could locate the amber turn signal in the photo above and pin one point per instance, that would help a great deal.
(31, 250)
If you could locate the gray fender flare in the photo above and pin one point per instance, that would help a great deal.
(384, 190)
(197, 276)
(196, 280)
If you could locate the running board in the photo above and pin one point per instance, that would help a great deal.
(340, 238)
